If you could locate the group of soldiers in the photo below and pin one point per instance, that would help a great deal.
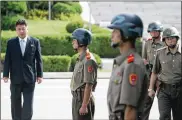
(134, 80)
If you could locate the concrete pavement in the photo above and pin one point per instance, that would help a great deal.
(52, 100)
(68, 75)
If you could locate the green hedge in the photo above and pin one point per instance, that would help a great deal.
(51, 45)
(36, 14)
(8, 22)
(52, 63)
(75, 5)
(59, 63)
(73, 25)
(62, 45)
(13, 7)
(96, 29)
(56, 63)
(61, 8)
(101, 46)
(40, 5)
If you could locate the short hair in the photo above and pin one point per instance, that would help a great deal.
(21, 22)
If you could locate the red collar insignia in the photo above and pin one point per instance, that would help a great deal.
(150, 39)
(88, 56)
(130, 58)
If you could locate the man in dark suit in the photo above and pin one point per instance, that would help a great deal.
(24, 63)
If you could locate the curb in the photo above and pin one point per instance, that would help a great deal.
(68, 75)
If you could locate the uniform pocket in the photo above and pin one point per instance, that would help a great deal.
(115, 90)
(149, 54)
(116, 79)
(166, 64)
(117, 76)
(79, 74)
(178, 62)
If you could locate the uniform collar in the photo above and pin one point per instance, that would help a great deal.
(83, 55)
(156, 42)
(118, 60)
(176, 50)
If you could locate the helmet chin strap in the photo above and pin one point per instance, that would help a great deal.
(172, 46)
(115, 45)
(76, 49)
(79, 46)
(155, 38)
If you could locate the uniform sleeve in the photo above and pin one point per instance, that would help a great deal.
(132, 85)
(90, 71)
(157, 65)
(144, 50)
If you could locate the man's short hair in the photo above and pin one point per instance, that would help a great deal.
(21, 22)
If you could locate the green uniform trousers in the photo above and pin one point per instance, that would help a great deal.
(76, 105)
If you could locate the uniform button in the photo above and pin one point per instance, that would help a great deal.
(154, 55)
(173, 60)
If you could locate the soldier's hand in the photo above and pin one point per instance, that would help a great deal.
(83, 110)
(151, 93)
(5, 79)
(145, 61)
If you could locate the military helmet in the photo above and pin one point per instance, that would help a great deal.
(83, 36)
(130, 25)
(155, 26)
(170, 32)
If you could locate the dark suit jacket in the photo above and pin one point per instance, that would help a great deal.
(23, 68)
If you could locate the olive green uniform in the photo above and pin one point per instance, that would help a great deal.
(167, 66)
(150, 48)
(85, 72)
(127, 85)
(149, 53)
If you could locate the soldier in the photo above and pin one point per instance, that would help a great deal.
(167, 66)
(84, 77)
(149, 52)
(127, 86)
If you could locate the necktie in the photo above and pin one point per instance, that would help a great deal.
(22, 46)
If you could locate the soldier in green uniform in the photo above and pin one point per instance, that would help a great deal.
(149, 53)
(167, 67)
(84, 77)
(127, 86)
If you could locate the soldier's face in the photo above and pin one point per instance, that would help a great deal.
(116, 36)
(22, 31)
(155, 34)
(75, 44)
(171, 41)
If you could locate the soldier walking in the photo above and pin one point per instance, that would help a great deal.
(149, 53)
(167, 66)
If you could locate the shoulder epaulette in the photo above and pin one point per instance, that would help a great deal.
(88, 55)
(130, 58)
(161, 48)
(149, 39)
